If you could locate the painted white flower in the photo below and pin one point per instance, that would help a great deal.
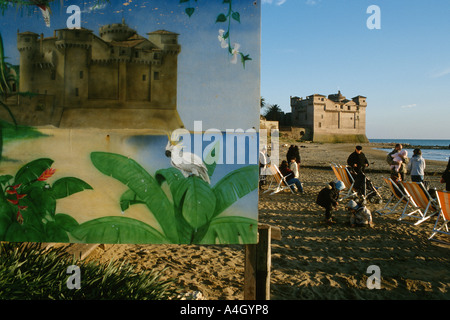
(223, 42)
(235, 53)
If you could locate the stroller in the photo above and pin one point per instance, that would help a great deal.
(365, 189)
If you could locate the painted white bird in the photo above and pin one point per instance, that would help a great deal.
(188, 163)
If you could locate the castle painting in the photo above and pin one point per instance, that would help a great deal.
(78, 77)
(117, 121)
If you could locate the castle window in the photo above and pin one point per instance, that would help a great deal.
(144, 77)
(156, 76)
(81, 74)
(320, 124)
(76, 92)
(136, 54)
(348, 107)
(53, 75)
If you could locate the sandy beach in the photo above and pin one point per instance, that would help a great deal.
(314, 260)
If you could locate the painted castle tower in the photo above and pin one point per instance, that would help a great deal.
(118, 79)
(331, 119)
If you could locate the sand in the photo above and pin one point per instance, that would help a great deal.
(314, 260)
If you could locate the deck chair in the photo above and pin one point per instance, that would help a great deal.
(278, 182)
(423, 205)
(443, 219)
(344, 175)
(397, 198)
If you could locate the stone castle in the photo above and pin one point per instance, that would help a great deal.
(118, 79)
(330, 119)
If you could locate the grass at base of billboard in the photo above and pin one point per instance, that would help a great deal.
(28, 271)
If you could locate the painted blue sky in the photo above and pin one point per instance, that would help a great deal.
(210, 87)
(322, 46)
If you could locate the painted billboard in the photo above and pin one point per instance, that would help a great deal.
(129, 121)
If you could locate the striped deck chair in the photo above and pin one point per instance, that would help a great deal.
(423, 205)
(397, 198)
(443, 219)
(278, 182)
(344, 175)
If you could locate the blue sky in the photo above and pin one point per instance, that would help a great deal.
(322, 46)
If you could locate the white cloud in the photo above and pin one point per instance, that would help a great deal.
(276, 2)
(441, 73)
(312, 2)
(408, 106)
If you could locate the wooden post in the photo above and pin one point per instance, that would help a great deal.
(258, 264)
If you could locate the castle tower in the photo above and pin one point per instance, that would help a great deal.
(75, 46)
(28, 46)
(165, 74)
(116, 32)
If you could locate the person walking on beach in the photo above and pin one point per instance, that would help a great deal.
(417, 166)
(360, 216)
(399, 159)
(391, 162)
(357, 160)
(328, 199)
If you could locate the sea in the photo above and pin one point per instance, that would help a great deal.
(437, 149)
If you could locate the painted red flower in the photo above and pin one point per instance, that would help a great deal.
(46, 174)
(12, 190)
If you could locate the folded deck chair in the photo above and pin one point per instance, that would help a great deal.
(423, 205)
(344, 175)
(397, 198)
(278, 182)
(443, 219)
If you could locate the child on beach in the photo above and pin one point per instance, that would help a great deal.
(328, 198)
(398, 159)
(359, 215)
